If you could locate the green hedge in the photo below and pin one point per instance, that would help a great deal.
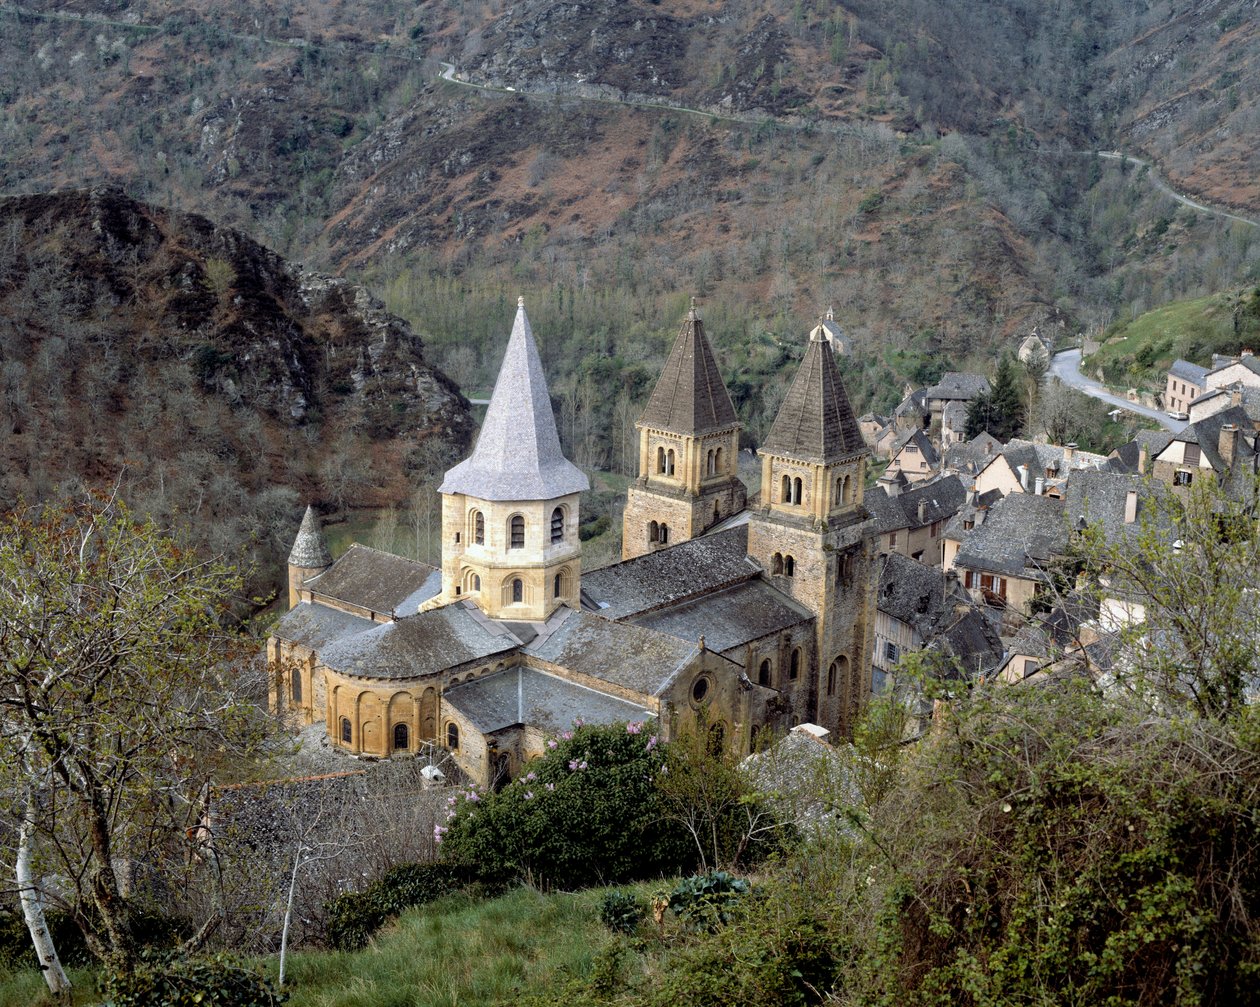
(351, 919)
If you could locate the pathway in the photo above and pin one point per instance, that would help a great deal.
(1066, 366)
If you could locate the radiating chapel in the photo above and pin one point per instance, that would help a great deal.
(761, 616)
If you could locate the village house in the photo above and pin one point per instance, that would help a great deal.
(1221, 447)
(912, 521)
(954, 386)
(1186, 382)
(913, 456)
(762, 618)
(1028, 467)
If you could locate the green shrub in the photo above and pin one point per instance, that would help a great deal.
(705, 901)
(586, 813)
(621, 911)
(351, 918)
(164, 980)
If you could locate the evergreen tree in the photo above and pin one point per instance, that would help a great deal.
(1000, 411)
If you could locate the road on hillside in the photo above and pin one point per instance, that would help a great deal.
(1066, 366)
(1159, 183)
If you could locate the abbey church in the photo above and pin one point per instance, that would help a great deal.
(762, 616)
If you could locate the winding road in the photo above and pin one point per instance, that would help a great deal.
(1066, 366)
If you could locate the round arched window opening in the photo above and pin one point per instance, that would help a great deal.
(699, 689)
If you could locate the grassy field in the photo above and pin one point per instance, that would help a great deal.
(458, 952)
(1137, 353)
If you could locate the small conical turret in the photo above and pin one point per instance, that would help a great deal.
(309, 555)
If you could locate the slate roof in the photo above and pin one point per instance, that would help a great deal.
(815, 422)
(659, 578)
(807, 781)
(690, 397)
(973, 641)
(729, 619)
(1125, 458)
(1222, 397)
(310, 549)
(316, 626)
(921, 442)
(1020, 535)
(420, 645)
(973, 455)
(1097, 500)
(941, 498)
(537, 699)
(954, 415)
(1238, 480)
(633, 657)
(1047, 459)
(972, 505)
(911, 592)
(913, 404)
(377, 581)
(958, 385)
(1187, 371)
(518, 454)
(1248, 361)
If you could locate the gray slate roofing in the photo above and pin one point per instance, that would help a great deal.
(959, 385)
(920, 440)
(941, 499)
(815, 422)
(1187, 371)
(973, 641)
(911, 592)
(690, 397)
(310, 550)
(1220, 398)
(641, 660)
(378, 581)
(729, 618)
(537, 699)
(913, 404)
(1126, 458)
(1098, 499)
(670, 575)
(1047, 459)
(420, 645)
(1238, 479)
(954, 415)
(518, 454)
(973, 455)
(1020, 535)
(316, 626)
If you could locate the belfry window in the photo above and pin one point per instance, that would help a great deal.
(517, 532)
(660, 460)
(789, 566)
(557, 525)
(669, 462)
(654, 532)
(479, 528)
(664, 534)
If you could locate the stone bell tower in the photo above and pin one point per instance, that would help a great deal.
(510, 510)
(813, 536)
(688, 451)
(309, 555)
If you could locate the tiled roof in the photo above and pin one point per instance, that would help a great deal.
(420, 645)
(1020, 536)
(911, 592)
(670, 575)
(316, 626)
(730, 618)
(1048, 459)
(1187, 371)
(913, 404)
(973, 455)
(641, 660)
(310, 550)
(941, 499)
(972, 641)
(958, 385)
(518, 454)
(1098, 499)
(690, 397)
(921, 442)
(535, 698)
(815, 422)
(377, 581)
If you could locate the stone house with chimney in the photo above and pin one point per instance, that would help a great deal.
(912, 521)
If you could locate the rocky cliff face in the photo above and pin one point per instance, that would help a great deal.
(209, 375)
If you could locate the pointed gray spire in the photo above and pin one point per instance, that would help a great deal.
(310, 549)
(815, 422)
(518, 454)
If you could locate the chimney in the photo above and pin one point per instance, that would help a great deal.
(1144, 458)
(1235, 395)
(981, 514)
(922, 511)
(1039, 487)
(1069, 452)
(1227, 446)
(1130, 507)
(1023, 477)
(1247, 352)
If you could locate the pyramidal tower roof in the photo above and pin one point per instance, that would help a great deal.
(816, 422)
(518, 454)
(690, 397)
(310, 548)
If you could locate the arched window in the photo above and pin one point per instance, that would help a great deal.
(660, 460)
(763, 673)
(796, 490)
(831, 679)
(709, 467)
(295, 685)
(776, 565)
(717, 461)
(518, 590)
(557, 525)
(789, 566)
(717, 738)
(839, 489)
(664, 533)
(516, 532)
(476, 582)
(786, 495)
(669, 462)
(794, 668)
(654, 532)
(479, 528)
(346, 733)
(717, 511)
(452, 736)
(846, 490)
(402, 740)
(839, 670)
(556, 590)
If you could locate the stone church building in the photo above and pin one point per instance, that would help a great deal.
(762, 616)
